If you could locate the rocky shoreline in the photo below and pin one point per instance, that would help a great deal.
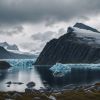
(69, 92)
(4, 65)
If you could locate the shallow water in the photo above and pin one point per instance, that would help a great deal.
(23, 71)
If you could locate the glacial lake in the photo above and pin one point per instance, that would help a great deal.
(23, 71)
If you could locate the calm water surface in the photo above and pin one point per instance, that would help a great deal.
(23, 71)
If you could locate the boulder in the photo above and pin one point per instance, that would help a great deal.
(30, 85)
(4, 65)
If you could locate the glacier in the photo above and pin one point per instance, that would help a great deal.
(20, 64)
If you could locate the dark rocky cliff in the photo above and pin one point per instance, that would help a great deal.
(68, 49)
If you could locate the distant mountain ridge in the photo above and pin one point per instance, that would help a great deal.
(4, 54)
(8, 46)
(81, 44)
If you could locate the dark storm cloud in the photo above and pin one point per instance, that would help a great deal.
(49, 11)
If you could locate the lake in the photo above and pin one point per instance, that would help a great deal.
(23, 71)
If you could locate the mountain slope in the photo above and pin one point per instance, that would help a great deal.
(4, 54)
(78, 45)
(8, 46)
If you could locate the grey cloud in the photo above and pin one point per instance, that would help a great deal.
(39, 39)
(48, 35)
(11, 30)
(49, 11)
(61, 31)
(32, 46)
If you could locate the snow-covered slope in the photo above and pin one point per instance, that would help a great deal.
(84, 35)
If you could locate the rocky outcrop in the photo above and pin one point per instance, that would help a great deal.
(69, 49)
(4, 65)
(86, 27)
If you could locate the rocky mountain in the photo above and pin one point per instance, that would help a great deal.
(4, 54)
(8, 46)
(80, 44)
(86, 27)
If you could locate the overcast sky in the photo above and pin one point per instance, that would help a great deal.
(32, 23)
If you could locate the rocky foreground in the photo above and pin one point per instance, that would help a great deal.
(69, 92)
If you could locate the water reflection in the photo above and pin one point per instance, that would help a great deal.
(21, 72)
(79, 74)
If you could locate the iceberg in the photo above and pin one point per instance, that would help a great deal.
(60, 70)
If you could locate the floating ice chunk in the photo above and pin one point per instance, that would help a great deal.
(60, 70)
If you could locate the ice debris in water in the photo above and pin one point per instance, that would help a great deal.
(60, 70)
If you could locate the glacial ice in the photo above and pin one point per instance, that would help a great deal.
(60, 70)
(18, 64)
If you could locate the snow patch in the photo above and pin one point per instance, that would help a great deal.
(87, 35)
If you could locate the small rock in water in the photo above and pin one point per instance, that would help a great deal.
(19, 83)
(9, 82)
(8, 85)
(30, 85)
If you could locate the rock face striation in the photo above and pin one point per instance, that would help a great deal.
(81, 44)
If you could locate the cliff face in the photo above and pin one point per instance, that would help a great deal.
(71, 48)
